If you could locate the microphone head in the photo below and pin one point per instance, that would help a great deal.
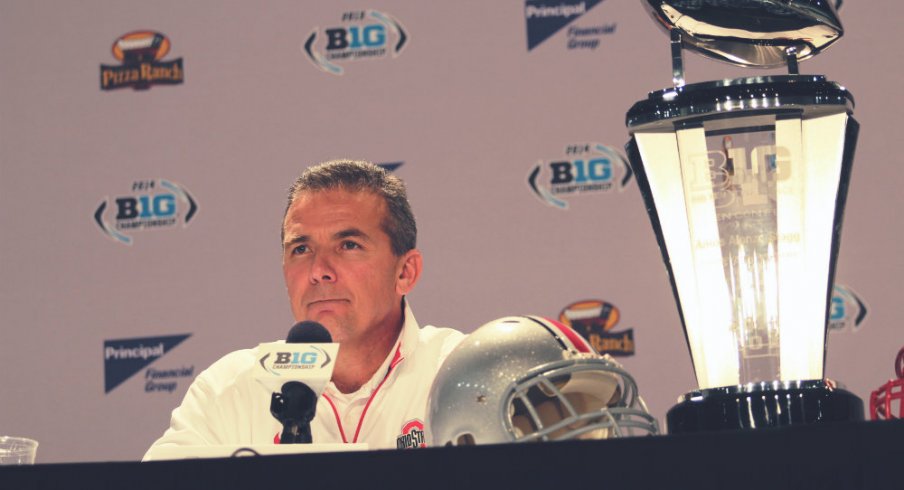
(308, 332)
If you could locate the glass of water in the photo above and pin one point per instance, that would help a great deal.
(17, 450)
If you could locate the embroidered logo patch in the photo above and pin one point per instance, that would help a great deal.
(412, 435)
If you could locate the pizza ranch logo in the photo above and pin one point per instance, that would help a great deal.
(141, 54)
(412, 435)
(595, 320)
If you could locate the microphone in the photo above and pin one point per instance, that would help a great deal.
(296, 403)
(308, 332)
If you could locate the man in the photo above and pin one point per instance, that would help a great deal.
(349, 260)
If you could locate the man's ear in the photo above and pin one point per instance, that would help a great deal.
(408, 271)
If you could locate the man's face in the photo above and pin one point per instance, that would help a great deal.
(338, 264)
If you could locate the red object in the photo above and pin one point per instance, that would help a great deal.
(579, 343)
(887, 402)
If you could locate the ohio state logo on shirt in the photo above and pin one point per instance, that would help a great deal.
(412, 435)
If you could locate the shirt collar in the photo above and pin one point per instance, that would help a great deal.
(409, 335)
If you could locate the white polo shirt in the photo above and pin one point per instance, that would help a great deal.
(225, 405)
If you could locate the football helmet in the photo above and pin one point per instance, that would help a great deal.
(527, 378)
(887, 402)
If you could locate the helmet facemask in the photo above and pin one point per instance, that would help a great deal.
(579, 399)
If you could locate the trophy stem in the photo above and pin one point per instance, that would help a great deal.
(677, 59)
(791, 57)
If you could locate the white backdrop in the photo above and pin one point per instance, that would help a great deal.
(466, 108)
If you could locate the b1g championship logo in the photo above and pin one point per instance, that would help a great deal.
(586, 168)
(594, 320)
(310, 357)
(412, 435)
(152, 205)
(141, 54)
(364, 34)
(544, 18)
(847, 311)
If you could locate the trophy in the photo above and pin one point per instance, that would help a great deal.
(745, 182)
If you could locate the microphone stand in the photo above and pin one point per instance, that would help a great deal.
(294, 408)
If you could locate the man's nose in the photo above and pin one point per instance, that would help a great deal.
(322, 269)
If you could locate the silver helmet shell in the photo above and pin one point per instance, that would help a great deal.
(527, 378)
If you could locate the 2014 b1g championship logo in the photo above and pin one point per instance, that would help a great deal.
(364, 34)
(152, 205)
(141, 54)
(586, 168)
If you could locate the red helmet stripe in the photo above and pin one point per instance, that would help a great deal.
(576, 340)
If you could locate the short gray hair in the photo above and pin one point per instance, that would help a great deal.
(358, 176)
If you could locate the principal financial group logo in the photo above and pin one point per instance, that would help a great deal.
(585, 168)
(594, 320)
(152, 205)
(544, 18)
(363, 34)
(124, 358)
(390, 166)
(141, 54)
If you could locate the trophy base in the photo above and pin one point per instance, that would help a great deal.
(759, 405)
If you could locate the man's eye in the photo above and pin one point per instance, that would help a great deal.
(300, 249)
(349, 245)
